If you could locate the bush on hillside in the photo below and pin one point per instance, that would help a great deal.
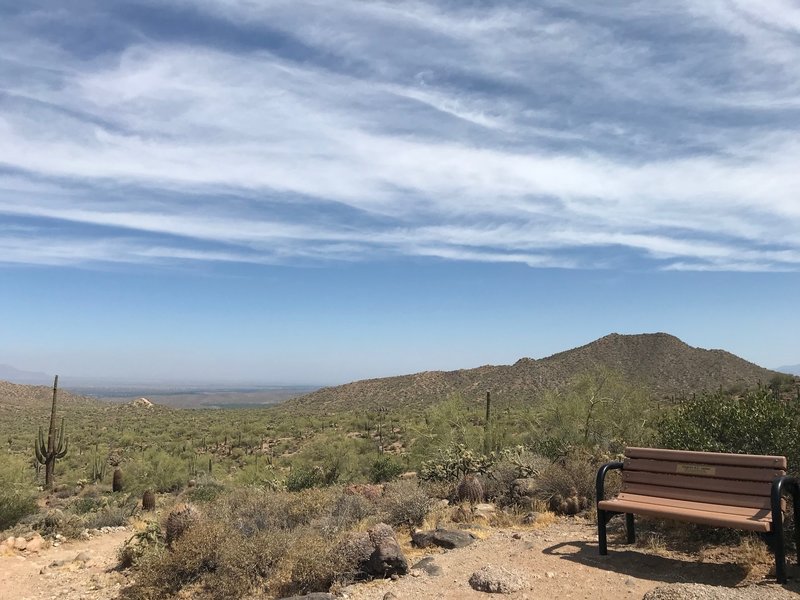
(385, 468)
(17, 498)
(755, 422)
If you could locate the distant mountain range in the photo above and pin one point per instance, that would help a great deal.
(9, 373)
(661, 362)
(791, 369)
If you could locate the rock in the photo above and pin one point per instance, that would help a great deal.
(375, 553)
(550, 574)
(390, 596)
(20, 543)
(444, 538)
(516, 536)
(312, 596)
(387, 556)
(35, 544)
(496, 580)
(428, 565)
(484, 511)
(83, 557)
(10, 541)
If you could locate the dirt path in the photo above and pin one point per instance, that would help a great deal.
(560, 562)
(74, 570)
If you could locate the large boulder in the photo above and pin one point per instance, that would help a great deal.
(387, 557)
(444, 538)
(375, 553)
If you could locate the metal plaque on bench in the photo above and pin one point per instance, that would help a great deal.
(695, 469)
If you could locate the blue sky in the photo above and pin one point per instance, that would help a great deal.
(306, 191)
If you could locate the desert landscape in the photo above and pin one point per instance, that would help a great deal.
(488, 471)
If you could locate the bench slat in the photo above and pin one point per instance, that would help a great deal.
(760, 514)
(683, 514)
(727, 499)
(711, 458)
(697, 469)
(749, 488)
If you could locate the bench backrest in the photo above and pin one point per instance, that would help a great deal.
(713, 477)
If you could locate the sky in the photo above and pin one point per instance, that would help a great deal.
(314, 192)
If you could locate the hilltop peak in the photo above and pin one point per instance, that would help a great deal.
(661, 362)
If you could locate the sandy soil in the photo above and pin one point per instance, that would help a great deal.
(561, 561)
(74, 570)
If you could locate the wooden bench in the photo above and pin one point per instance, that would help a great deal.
(736, 491)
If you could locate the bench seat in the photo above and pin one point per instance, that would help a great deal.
(717, 515)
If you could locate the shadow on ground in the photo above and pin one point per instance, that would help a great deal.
(628, 560)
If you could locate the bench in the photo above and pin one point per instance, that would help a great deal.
(736, 491)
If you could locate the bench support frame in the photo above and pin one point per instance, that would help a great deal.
(774, 539)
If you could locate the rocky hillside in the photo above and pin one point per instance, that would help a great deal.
(34, 399)
(662, 362)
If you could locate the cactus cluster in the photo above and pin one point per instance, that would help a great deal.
(571, 505)
(455, 462)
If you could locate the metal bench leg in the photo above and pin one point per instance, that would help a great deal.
(602, 520)
(779, 548)
(630, 529)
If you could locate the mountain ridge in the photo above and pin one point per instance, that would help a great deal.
(662, 362)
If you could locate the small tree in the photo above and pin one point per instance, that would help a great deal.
(758, 421)
(56, 448)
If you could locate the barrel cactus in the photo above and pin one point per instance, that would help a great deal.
(470, 489)
(148, 500)
(180, 519)
(116, 482)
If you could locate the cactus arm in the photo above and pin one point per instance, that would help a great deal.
(60, 448)
(63, 453)
(39, 449)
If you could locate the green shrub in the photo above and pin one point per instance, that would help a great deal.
(156, 470)
(756, 422)
(17, 498)
(303, 478)
(205, 491)
(385, 468)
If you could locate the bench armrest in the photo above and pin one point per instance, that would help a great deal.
(781, 485)
(601, 478)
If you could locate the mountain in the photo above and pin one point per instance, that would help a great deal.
(9, 373)
(20, 396)
(790, 369)
(663, 363)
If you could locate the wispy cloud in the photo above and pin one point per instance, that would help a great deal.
(568, 135)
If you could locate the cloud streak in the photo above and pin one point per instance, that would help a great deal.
(563, 136)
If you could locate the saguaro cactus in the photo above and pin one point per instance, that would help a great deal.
(56, 447)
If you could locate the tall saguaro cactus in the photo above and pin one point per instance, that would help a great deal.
(56, 446)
